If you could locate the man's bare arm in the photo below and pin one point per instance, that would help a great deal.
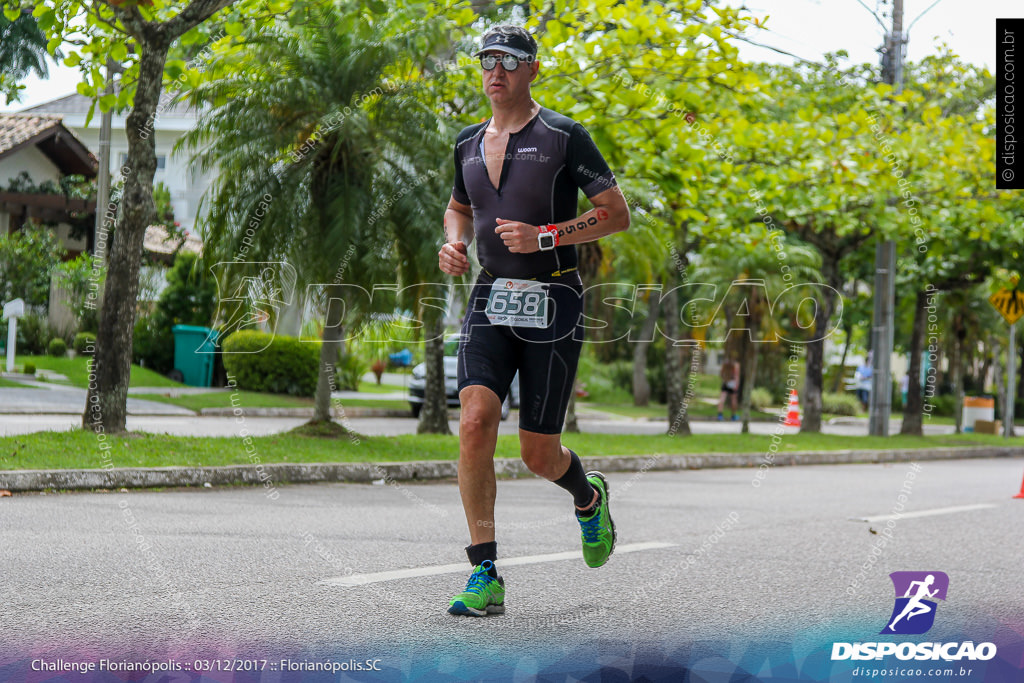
(458, 234)
(609, 215)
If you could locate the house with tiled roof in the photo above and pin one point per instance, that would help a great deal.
(174, 119)
(37, 154)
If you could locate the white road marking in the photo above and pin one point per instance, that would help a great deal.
(363, 579)
(926, 513)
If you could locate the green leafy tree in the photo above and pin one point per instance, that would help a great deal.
(27, 260)
(314, 123)
(22, 52)
(755, 257)
(138, 35)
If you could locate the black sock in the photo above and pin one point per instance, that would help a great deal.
(592, 509)
(484, 551)
(575, 482)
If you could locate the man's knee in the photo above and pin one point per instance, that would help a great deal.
(541, 458)
(480, 411)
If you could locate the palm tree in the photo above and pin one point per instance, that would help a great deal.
(22, 51)
(748, 268)
(312, 142)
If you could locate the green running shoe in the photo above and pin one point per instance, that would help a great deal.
(483, 595)
(598, 530)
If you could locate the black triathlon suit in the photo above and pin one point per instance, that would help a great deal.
(546, 163)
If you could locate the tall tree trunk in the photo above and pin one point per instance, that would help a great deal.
(749, 370)
(107, 396)
(330, 352)
(677, 422)
(956, 373)
(816, 348)
(641, 387)
(434, 414)
(848, 330)
(106, 401)
(914, 409)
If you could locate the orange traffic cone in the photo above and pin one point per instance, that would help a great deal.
(1021, 494)
(793, 416)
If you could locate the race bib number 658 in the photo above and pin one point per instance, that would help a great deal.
(518, 303)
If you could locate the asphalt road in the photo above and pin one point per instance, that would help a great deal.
(233, 571)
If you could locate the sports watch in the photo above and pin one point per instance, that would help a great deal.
(547, 238)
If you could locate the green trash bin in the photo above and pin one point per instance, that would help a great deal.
(194, 349)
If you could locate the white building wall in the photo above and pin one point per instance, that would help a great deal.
(185, 187)
(30, 159)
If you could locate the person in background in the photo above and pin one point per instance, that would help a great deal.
(863, 377)
(730, 374)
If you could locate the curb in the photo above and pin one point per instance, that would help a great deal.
(270, 475)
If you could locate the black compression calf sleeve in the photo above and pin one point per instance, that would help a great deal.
(575, 482)
(483, 551)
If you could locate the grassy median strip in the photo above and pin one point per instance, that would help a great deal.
(253, 399)
(77, 372)
(79, 449)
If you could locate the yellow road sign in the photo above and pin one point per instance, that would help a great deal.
(1009, 303)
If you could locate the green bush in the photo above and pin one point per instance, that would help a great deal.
(942, 405)
(760, 399)
(350, 370)
(85, 343)
(190, 298)
(57, 348)
(272, 363)
(33, 335)
(29, 369)
(152, 345)
(839, 404)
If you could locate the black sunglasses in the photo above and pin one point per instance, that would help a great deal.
(508, 62)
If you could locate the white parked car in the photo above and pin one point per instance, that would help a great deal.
(418, 383)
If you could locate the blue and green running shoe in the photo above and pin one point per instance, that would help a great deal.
(598, 530)
(484, 594)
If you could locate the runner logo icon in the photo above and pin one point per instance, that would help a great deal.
(916, 595)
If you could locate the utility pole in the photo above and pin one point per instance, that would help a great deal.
(883, 322)
(102, 241)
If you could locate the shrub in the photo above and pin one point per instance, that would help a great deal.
(839, 404)
(942, 404)
(350, 370)
(272, 363)
(760, 398)
(33, 335)
(29, 369)
(152, 345)
(190, 298)
(57, 348)
(85, 343)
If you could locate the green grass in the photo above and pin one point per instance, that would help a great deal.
(387, 404)
(80, 449)
(222, 399)
(253, 399)
(11, 384)
(374, 388)
(77, 372)
(658, 410)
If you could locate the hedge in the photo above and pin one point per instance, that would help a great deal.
(270, 363)
(839, 404)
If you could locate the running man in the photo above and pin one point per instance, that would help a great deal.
(914, 606)
(517, 178)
